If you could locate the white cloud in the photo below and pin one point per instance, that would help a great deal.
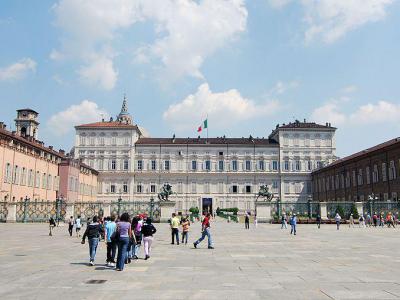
(330, 20)
(99, 72)
(188, 31)
(349, 89)
(223, 109)
(18, 70)
(64, 121)
(383, 112)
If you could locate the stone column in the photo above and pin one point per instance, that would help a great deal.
(167, 208)
(69, 211)
(263, 210)
(107, 209)
(323, 212)
(11, 213)
(360, 209)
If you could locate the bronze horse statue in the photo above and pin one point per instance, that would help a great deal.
(166, 191)
(265, 193)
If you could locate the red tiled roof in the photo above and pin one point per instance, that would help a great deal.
(362, 153)
(114, 124)
(210, 141)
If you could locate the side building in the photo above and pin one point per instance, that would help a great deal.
(375, 170)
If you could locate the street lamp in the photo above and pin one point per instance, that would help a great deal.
(25, 207)
(119, 203)
(151, 207)
(371, 200)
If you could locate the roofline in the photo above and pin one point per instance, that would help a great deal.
(27, 109)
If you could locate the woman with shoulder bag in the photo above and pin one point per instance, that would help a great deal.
(125, 234)
(147, 231)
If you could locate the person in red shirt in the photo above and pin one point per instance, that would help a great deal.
(205, 231)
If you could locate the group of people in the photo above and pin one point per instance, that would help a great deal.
(123, 237)
(180, 221)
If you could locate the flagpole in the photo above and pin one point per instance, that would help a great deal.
(207, 128)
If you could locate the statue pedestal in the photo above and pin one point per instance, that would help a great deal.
(167, 208)
(263, 210)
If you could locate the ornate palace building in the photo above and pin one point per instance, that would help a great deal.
(207, 173)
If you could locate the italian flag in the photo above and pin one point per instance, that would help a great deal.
(203, 126)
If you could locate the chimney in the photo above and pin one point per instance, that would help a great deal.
(13, 132)
(51, 147)
(61, 151)
(327, 124)
(305, 121)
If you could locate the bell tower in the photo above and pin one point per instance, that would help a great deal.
(26, 123)
(124, 116)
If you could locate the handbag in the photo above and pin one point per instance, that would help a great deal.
(115, 236)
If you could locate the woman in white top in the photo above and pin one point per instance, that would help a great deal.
(337, 219)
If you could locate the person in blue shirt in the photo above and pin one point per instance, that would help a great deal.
(109, 229)
(293, 223)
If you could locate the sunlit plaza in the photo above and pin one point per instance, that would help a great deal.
(262, 263)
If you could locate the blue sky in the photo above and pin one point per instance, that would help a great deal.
(248, 65)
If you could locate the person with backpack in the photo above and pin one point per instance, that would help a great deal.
(92, 232)
(70, 225)
(147, 231)
(293, 223)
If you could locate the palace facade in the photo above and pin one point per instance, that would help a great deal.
(208, 173)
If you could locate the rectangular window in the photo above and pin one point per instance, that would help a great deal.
(139, 188)
(298, 165)
(194, 165)
(309, 165)
(261, 165)
(392, 170)
(234, 165)
(375, 174)
(234, 189)
(113, 164)
(153, 165)
(248, 189)
(384, 175)
(275, 165)
(287, 187)
(248, 165)
(286, 165)
(49, 182)
(367, 175)
(126, 164)
(125, 187)
(208, 165)
(167, 165)
(275, 185)
(152, 188)
(112, 188)
(221, 165)
(140, 165)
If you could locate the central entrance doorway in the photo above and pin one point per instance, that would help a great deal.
(207, 205)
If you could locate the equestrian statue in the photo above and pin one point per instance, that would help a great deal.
(265, 193)
(166, 191)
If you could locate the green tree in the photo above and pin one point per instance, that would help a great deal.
(340, 211)
(354, 211)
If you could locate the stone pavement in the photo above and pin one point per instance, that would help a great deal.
(262, 263)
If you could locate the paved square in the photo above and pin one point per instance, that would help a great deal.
(262, 263)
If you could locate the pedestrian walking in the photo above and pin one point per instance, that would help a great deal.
(351, 221)
(92, 232)
(175, 222)
(185, 230)
(361, 222)
(390, 220)
(205, 231)
(382, 220)
(70, 225)
(293, 224)
(247, 221)
(78, 226)
(337, 220)
(109, 231)
(52, 224)
(125, 233)
(283, 221)
(318, 220)
(375, 219)
(255, 221)
(148, 230)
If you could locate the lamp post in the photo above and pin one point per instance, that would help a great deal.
(58, 208)
(151, 207)
(119, 204)
(309, 207)
(371, 200)
(25, 208)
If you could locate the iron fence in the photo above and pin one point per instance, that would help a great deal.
(3, 211)
(381, 207)
(302, 209)
(343, 208)
(133, 208)
(39, 211)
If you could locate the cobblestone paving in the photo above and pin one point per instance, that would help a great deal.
(262, 263)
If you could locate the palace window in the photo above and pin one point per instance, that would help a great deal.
(112, 188)
(16, 175)
(140, 165)
(309, 165)
(360, 180)
(125, 187)
(384, 175)
(298, 165)
(208, 165)
(375, 174)
(261, 165)
(367, 175)
(113, 164)
(167, 165)
(235, 189)
(234, 165)
(126, 164)
(194, 165)
(248, 165)
(248, 189)
(153, 165)
(392, 170)
(275, 165)
(221, 165)
(152, 188)
(286, 165)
